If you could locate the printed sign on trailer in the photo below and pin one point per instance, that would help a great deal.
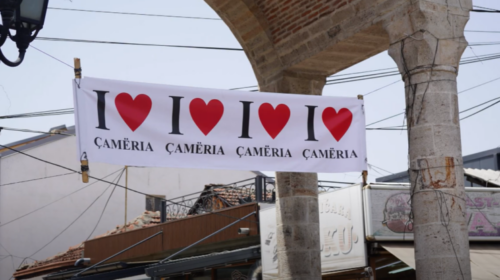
(341, 233)
(388, 212)
(140, 124)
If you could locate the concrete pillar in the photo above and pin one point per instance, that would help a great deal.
(297, 199)
(427, 44)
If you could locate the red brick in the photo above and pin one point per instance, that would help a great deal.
(317, 6)
(273, 10)
(314, 15)
(324, 9)
(341, 5)
(297, 29)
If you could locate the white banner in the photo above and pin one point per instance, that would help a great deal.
(341, 233)
(128, 123)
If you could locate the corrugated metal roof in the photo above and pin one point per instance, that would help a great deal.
(487, 175)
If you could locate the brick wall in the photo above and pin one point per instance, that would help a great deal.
(286, 17)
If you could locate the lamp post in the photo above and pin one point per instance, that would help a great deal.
(26, 17)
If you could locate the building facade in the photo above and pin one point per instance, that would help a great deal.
(40, 201)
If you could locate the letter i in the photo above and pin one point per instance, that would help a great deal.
(101, 109)
(246, 120)
(310, 123)
(176, 111)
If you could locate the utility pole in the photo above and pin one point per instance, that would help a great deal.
(126, 194)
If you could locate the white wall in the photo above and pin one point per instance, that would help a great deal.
(27, 235)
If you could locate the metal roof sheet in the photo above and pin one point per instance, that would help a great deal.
(487, 175)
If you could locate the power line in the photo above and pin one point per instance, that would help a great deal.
(381, 88)
(59, 199)
(362, 78)
(382, 73)
(375, 169)
(37, 179)
(485, 8)
(133, 44)
(105, 205)
(396, 73)
(485, 108)
(177, 46)
(74, 221)
(461, 112)
(481, 31)
(242, 87)
(393, 116)
(40, 114)
(479, 105)
(478, 44)
(105, 181)
(51, 56)
(482, 84)
(484, 11)
(35, 131)
(131, 14)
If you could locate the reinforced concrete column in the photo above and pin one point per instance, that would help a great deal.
(427, 44)
(298, 246)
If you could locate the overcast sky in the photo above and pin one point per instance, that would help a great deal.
(42, 83)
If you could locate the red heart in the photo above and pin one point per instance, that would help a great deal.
(133, 111)
(337, 123)
(206, 116)
(274, 120)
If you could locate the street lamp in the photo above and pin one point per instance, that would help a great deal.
(26, 17)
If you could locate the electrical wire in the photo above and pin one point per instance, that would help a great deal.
(383, 73)
(40, 114)
(51, 56)
(485, 108)
(380, 168)
(484, 11)
(74, 221)
(481, 31)
(479, 44)
(378, 75)
(131, 14)
(382, 88)
(133, 44)
(105, 181)
(393, 116)
(463, 111)
(479, 105)
(59, 199)
(242, 88)
(485, 8)
(105, 205)
(35, 131)
(37, 179)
